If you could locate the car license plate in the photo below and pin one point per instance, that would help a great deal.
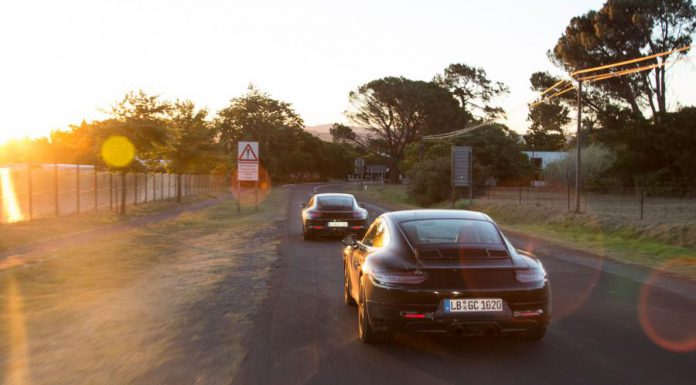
(338, 224)
(473, 305)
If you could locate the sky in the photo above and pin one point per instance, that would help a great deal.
(65, 61)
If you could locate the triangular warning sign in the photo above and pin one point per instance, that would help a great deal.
(248, 154)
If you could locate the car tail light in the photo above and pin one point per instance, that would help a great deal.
(412, 314)
(398, 277)
(530, 275)
(308, 214)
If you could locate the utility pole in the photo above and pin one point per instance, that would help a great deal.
(578, 136)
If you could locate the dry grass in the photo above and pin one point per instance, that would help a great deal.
(150, 305)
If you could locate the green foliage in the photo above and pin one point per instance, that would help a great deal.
(497, 155)
(430, 181)
(397, 111)
(623, 30)
(471, 86)
(546, 131)
(596, 160)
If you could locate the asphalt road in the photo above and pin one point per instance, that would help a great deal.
(304, 334)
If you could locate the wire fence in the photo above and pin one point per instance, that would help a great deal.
(635, 205)
(41, 191)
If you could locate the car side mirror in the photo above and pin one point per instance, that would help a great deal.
(350, 240)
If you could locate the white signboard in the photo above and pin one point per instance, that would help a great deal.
(248, 161)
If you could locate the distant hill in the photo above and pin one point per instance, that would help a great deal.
(322, 131)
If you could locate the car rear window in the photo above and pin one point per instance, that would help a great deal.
(335, 203)
(450, 231)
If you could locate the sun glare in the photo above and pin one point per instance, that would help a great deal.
(10, 207)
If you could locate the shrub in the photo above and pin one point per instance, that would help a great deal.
(596, 161)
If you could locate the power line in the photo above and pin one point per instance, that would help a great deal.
(606, 66)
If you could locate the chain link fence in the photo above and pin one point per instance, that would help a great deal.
(44, 190)
(635, 205)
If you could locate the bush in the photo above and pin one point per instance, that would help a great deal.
(596, 160)
(430, 181)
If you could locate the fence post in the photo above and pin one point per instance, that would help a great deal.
(31, 192)
(77, 174)
(96, 188)
(56, 205)
(111, 191)
(642, 198)
(135, 190)
(145, 186)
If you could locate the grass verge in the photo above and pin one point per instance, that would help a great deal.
(43, 229)
(162, 302)
(669, 247)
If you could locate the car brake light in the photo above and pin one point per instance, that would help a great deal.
(408, 314)
(399, 277)
(530, 275)
(311, 214)
(527, 313)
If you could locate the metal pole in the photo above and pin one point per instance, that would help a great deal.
(578, 140)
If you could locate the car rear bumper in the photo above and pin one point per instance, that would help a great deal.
(323, 229)
(422, 311)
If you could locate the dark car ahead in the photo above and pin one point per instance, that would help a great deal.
(443, 271)
(333, 214)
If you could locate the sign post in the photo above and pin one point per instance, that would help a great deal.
(461, 170)
(360, 169)
(248, 169)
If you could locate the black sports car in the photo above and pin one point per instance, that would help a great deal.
(333, 214)
(443, 271)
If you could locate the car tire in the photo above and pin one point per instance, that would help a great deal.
(534, 334)
(365, 331)
(347, 298)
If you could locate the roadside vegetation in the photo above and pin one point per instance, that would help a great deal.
(649, 245)
(129, 301)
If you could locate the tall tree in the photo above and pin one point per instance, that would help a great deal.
(547, 118)
(474, 90)
(546, 131)
(623, 30)
(142, 118)
(256, 116)
(396, 111)
(189, 146)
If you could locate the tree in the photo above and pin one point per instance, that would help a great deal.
(473, 89)
(341, 133)
(142, 119)
(623, 30)
(397, 111)
(546, 131)
(273, 123)
(189, 145)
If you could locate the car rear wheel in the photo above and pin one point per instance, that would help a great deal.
(534, 334)
(365, 331)
(347, 298)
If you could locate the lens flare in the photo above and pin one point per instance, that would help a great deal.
(118, 151)
(670, 331)
(17, 369)
(10, 206)
(245, 193)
